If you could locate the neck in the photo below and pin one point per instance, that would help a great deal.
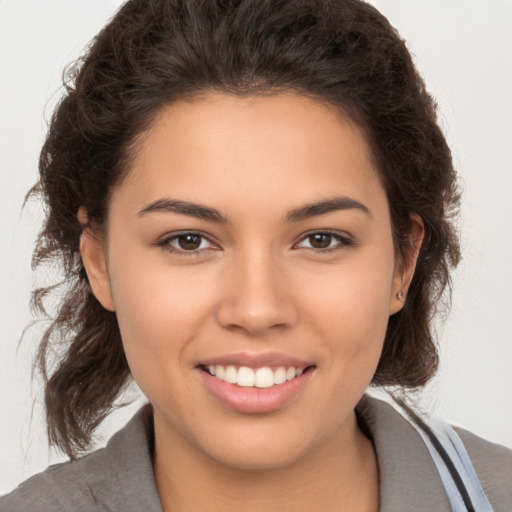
(339, 475)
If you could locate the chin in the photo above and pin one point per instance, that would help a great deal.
(257, 452)
(257, 460)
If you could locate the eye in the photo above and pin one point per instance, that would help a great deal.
(193, 244)
(186, 243)
(324, 241)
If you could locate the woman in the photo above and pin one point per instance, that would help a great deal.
(252, 204)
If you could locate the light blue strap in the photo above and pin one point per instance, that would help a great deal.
(455, 449)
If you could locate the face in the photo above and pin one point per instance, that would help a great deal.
(250, 240)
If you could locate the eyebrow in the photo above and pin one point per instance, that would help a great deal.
(198, 211)
(184, 208)
(327, 206)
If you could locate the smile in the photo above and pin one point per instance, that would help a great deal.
(264, 377)
(256, 389)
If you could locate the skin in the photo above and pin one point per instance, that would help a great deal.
(255, 284)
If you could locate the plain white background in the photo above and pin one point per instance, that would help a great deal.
(462, 47)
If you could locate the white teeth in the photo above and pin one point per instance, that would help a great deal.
(245, 377)
(230, 375)
(261, 378)
(219, 372)
(280, 375)
(264, 378)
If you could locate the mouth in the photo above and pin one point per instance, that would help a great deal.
(255, 389)
(263, 377)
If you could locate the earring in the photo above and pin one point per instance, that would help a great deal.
(400, 295)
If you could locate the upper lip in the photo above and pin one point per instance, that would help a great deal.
(256, 360)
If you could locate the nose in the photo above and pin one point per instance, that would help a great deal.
(257, 297)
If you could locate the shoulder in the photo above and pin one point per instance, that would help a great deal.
(493, 466)
(409, 477)
(117, 477)
(61, 487)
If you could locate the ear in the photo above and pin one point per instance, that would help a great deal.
(92, 251)
(404, 268)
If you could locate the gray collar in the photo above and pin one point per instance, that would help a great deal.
(409, 479)
(129, 485)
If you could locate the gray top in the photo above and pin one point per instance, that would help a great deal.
(119, 477)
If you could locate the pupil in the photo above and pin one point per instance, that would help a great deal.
(320, 241)
(189, 242)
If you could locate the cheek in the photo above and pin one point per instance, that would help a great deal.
(156, 297)
(352, 311)
(159, 314)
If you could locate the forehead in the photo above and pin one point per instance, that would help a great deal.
(284, 148)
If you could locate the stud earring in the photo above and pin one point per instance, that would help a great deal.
(400, 295)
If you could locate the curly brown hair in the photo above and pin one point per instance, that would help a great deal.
(155, 52)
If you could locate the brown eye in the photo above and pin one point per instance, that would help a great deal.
(320, 240)
(186, 244)
(324, 242)
(189, 242)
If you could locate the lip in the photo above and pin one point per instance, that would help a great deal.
(256, 360)
(253, 400)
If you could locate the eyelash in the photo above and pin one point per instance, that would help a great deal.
(165, 243)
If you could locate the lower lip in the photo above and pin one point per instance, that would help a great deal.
(254, 400)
